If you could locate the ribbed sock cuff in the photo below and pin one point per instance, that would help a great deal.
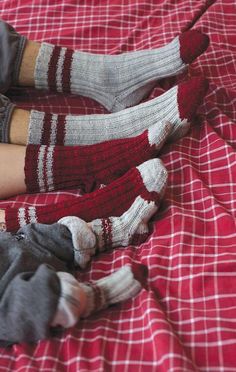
(6, 109)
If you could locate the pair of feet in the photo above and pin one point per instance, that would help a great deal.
(114, 81)
(117, 82)
(107, 157)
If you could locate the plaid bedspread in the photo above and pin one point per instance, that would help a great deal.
(185, 320)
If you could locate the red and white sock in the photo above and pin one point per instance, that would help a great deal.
(119, 286)
(49, 168)
(178, 105)
(104, 233)
(79, 300)
(147, 180)
(116, 81)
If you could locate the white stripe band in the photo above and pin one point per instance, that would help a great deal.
(41, 181)
(32, 215)
(49, 168)
(21, 217)
(60, 66)
(53, 132)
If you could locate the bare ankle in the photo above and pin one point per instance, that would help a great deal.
(19, 125)
(26, 76)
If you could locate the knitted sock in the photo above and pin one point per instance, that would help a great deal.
(147, 180)
(78, 300)
(50, 168)
(110, 232)
(116, 81)
(177, 105)
(117, 287)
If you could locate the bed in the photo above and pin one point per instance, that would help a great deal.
(185, 319)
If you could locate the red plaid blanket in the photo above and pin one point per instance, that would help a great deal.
(185, 319)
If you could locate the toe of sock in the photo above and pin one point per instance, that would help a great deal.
(190, 96)
(192, 44)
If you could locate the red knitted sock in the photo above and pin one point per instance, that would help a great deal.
(50, 168)
(147, 180)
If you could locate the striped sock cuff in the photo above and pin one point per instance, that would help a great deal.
(53, 68)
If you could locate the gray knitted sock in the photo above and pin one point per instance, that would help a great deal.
(116, 81)
(177, 106)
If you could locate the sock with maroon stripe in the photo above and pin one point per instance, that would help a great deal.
(119, 286)
(147, 180)
(116, 81)
(177, 105)
(79, 300)
(50, 168)
(104, 233)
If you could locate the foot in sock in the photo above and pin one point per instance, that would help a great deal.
(93, 296)
(147, 180)
(116, 81)
(50, 168)
(117, 287)
(178, 105)
(104, 233)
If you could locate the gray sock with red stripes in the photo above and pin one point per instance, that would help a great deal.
(116, 81)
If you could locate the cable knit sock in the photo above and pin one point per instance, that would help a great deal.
(147, 180)
(117, 287)
(50, 168)
(177, 105)
(104, 233)
(116, 81)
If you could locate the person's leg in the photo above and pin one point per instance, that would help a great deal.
(178, 105)
(115, 81)
(147, 180)
(105, 233)
(49, 168)
(18, 127)
(36, 168)
(12, 160)
(27, 67)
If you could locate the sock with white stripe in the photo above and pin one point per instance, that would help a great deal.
(177, 105)
(147, 180)
(116, 81)
(110, 232)
(49, 168)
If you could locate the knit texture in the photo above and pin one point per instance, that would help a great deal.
(111, 232)
(178, 105)
(116, 81)
(50, 168)
(117, 287)
(119, 231)
(147, 180)
(6, 110)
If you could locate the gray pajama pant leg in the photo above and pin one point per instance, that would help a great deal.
(29, 286)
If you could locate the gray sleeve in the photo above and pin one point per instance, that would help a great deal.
(28, 306)
(11, 51)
